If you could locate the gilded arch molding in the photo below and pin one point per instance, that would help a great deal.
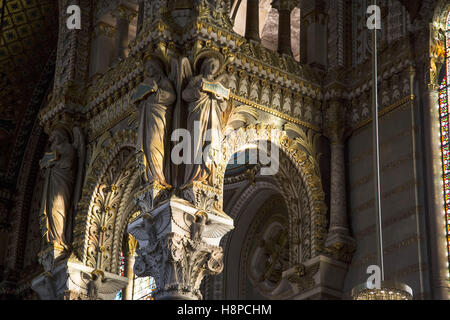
(105, 156)
(296, 168)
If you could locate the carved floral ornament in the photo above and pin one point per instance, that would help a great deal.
(110, 171)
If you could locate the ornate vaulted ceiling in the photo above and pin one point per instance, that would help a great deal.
(27, 39)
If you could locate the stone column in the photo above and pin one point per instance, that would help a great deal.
(130, 258)
(284, 8)
(436, 216)
(252, 21)
(338, 234)
(123, 16)
(102, 46)
(179, 241)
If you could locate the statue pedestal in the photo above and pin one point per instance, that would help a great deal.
(320, 278)
(70, 280)
(178, 246)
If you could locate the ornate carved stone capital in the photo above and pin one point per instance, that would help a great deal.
(71, 280)
(178, 265)
(178, 246)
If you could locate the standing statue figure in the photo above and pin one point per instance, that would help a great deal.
(204, 122)
(63, 177)
(155, 97)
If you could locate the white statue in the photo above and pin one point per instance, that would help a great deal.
(62, 187)
(155, 97)
(205, 110)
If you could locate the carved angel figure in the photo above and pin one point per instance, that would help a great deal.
(98, 285)
(155, 98)
(198, 226)
(204, 122)
(62, 186)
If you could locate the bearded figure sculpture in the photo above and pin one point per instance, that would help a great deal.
(205, 97)
(154, 99)
(62, 186)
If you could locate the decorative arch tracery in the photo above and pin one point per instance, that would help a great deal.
(101, 218)
(298, 181)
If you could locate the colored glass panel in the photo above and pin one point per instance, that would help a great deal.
(444, 94)
(143, 288)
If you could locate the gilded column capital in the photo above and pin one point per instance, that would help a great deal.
(131, 245)
(179, 245)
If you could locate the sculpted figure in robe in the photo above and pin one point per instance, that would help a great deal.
(62, 186)
(204, 122)
(155, 98)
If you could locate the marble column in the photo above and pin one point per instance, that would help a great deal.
(102, 46)
(436, 216)
(179, 241)
(252, 21)
(338, 233)
(123, 16)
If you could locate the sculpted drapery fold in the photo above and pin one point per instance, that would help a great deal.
(63, 175)
(154, 115)
(205, 111)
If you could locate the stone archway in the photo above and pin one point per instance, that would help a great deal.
(297, 183)
(101, 220)
(295, 169)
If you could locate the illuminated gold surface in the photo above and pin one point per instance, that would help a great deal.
(388, 291)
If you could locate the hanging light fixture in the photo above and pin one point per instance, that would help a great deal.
(388, 290)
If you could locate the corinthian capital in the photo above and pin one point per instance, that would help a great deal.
(178, 265)
(179, 245)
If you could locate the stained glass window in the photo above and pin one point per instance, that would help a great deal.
(143, 288)
(444, 94)
(119, 295)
